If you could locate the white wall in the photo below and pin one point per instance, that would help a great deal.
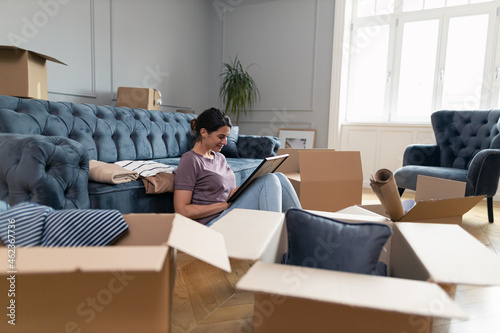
(178, 47)
(290, 41)
(163, 44)
(382, 146)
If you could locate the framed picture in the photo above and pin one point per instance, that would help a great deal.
(297, 138)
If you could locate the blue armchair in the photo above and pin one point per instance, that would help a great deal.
(467, 149)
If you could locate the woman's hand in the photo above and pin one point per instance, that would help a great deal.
(230, 194)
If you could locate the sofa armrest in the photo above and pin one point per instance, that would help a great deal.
(255, 146)
(425, 155)
(47, 170)
(484, 172)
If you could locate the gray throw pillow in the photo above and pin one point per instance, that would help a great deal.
(320, 242)
(230, 149)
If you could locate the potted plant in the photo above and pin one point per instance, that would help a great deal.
(238, 89)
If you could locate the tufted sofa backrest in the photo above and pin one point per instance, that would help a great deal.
(109, 133)
(460, 135)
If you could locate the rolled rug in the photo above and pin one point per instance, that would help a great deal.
(384, 186)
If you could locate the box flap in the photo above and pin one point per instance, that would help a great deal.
(38, 54)
(438, 188)
(295, 176)
(358, 210)
(429, 209)
(86, 259)
(249, 232)
(198, 241)
(451, 255)
(292, 163)
(146, 229)
(375, 209)
(330, 165)
(372, 292)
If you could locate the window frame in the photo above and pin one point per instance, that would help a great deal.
(490, 84)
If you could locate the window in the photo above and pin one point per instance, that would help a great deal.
(408, 58)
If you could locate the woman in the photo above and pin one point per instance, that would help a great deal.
(203, 180)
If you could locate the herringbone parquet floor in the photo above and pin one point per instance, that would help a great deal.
(206, 299)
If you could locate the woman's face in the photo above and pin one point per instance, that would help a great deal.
(217, 139)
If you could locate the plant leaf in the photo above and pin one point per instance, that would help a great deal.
(238, 90)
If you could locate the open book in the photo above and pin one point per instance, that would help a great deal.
(268, 165)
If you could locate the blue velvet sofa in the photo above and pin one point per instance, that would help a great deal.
(45, 148)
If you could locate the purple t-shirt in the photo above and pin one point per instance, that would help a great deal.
(210, 180)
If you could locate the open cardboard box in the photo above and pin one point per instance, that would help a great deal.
(122, 288)
(437, 201)
(324, 179)
(24, 72)
(421, 258)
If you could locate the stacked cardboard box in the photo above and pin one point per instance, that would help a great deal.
(139, 98)
(24, 72)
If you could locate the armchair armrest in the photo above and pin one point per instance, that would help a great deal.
(425, 155)
(484, 172)
(47, 170)
(255, 146)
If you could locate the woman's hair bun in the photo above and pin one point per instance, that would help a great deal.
(194, 124)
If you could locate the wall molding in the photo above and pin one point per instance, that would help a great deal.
(315, 52)
(93, 90)
(267, 122)
(315, 38)
(280, 110)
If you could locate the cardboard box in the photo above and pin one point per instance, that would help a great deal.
(122, 288)
(423, 257)
(324, 179)
(437, 201)
(139, 98)
(24, 72)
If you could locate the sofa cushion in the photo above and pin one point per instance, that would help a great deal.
(406, 177)
(242, 168)
(129, 198)
(230, 149)
(320, 242)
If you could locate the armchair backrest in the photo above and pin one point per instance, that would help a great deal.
(460, 135)
(108, 133)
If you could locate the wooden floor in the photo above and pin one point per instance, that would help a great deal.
(206, 300)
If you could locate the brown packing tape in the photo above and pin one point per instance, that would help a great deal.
(385, 188)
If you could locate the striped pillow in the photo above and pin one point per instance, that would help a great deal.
(83, 227)
(23, 223)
